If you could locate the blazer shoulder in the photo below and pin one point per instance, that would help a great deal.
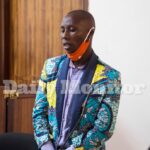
(51, 67)
(109, 72)
(52, 64)
(56, 59)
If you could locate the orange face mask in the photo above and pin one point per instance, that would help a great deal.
(75, 56)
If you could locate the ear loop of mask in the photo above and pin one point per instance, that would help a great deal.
(82, 48)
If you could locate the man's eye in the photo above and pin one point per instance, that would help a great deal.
(62, 30)
(72, 29)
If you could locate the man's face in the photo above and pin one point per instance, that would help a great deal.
(73, 33)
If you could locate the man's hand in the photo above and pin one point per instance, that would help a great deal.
(47, 146)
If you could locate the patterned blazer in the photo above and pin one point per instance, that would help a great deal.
(94, 111)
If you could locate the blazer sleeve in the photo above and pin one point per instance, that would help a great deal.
(106, 118)
(40, 112)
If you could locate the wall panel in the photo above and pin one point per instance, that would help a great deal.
(2, 52)
(35, 34)
(19, 114)
(2, 111)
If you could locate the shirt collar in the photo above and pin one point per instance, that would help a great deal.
(71, 65)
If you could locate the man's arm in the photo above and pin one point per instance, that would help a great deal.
(106, 118)
(40, 113)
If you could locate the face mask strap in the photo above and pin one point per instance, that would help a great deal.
(86, 38)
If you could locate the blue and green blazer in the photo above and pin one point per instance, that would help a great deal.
(94, 112)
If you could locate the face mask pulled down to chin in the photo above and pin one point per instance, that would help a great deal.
(75, 56)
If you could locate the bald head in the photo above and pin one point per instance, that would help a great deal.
(82, 15)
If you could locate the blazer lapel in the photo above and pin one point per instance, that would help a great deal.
(62, 76)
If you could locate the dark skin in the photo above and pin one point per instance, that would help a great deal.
(73, 32)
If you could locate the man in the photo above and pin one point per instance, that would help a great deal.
(78, 96)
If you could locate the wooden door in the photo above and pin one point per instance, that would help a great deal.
(31, 34)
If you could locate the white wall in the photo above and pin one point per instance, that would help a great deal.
(122, 39)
